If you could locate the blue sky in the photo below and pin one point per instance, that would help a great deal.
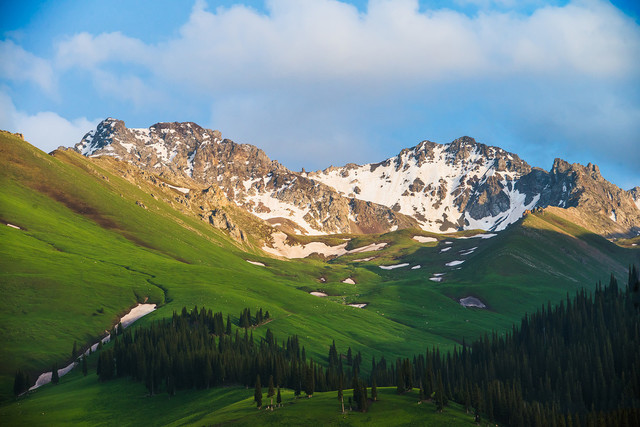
(325, 82)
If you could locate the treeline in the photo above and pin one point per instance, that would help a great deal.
(577, 363)
(194, 350)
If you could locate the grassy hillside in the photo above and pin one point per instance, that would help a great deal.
(87, 251)
(82, 400)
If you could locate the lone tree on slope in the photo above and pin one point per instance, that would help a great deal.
(257, 395)
(271, 391)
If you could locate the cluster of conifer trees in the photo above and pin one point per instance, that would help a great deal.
(577, 363)
(246, 321)
(194, 350)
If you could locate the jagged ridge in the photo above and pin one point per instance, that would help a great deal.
(440, 187)
(246, 175)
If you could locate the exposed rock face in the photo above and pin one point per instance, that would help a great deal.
(445, 187)
(439, 187)
(465, 184)
(244, 173)
(635, 195)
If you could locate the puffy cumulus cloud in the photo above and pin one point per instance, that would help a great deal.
(392, 43)
(85, 50)
(16, 64)
(46, 130)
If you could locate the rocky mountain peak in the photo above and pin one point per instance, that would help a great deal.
(246, 175)
(439, 187)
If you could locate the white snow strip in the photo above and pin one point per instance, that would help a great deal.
(482, 236)
(256, 263)
(502, 220)
(349, 280)
(391, 267)
(448, 242)
(281, 248)
(454, 263)
(613, 216)
(472, 302)
(416, 267)
(180, 189)
(357, 305)
(136, 313)
(126, 320)
(445, 249)
(371, 247)
(468, 251)
(435, 279)
(363, 259)
(14, 226)
(318, 294)
(423, 239)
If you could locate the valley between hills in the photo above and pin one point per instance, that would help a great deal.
(440, 247)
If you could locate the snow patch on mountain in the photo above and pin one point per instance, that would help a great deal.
(434, 183)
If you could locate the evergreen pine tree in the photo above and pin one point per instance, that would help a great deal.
(257, 395)
(55, 378)
(309, 384)
(341, 394)
(279, 396)
(20, 383)
(84, 365)
(271, 391)
(374, 390)
(362, 404)
(74, 351)
(440, 399)
(228, 330)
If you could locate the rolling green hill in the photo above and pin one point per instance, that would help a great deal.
(91, 244)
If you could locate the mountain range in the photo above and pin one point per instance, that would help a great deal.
(462, 185)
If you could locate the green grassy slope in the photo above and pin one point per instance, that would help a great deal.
(79, 400)
(86, 253)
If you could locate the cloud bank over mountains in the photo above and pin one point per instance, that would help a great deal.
(319, 82)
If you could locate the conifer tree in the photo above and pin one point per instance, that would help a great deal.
(84, 365)
(271, 391)
(278, 397)
(355, 385)
(55, 377)
(362, 404)
(374, 390)
(309, 385)
(257, 395)
(74, 351)
(440, 399)
(20, 382)
(228, 330)
(341, 394)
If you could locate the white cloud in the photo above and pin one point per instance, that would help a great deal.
(16, 64)
(85, 50)
(46, 130)
(392, 43)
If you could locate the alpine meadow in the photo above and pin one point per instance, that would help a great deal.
(166, 273)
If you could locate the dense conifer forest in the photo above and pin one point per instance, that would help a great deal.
(575, 363)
